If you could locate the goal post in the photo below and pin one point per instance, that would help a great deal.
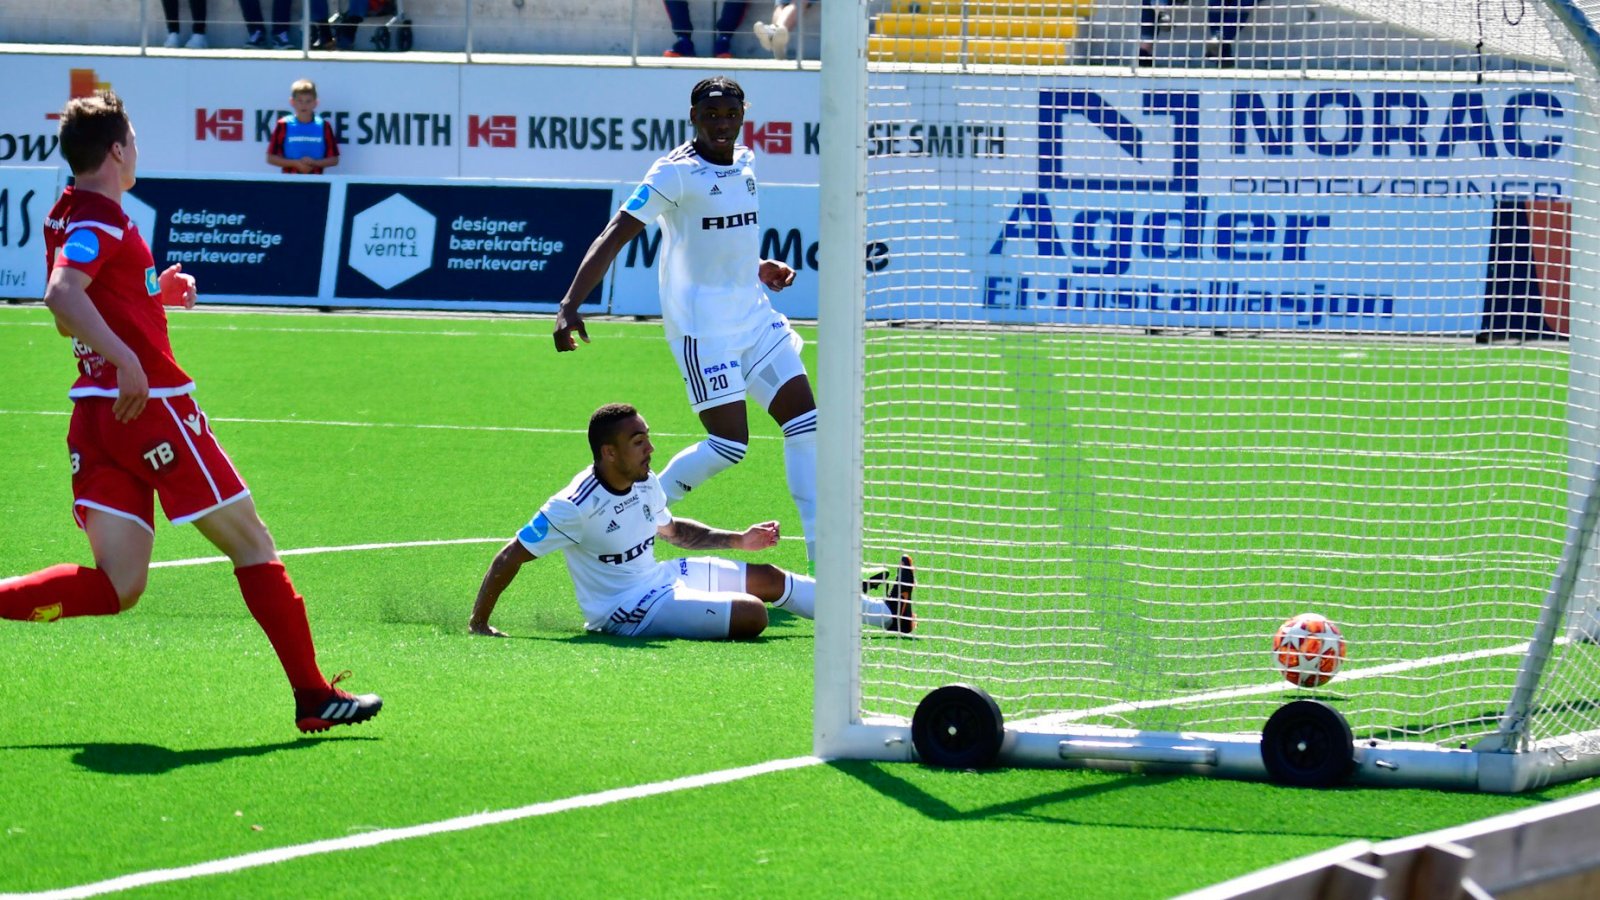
(1143, 342)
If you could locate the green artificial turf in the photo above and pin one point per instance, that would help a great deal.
(164, 737)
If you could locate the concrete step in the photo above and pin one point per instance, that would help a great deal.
(980, 51)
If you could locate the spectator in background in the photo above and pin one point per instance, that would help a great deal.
(1224, 18)
(728, 19)
(197, 17)
(275, 34)
(303, 143)
(785, 18)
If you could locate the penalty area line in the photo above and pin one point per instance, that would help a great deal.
(391, 835)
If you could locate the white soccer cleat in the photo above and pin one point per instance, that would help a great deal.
(197, 42)
(173, 41)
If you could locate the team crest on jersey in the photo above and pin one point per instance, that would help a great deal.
(152, 282)
(751, 184)
(534, 532)
(647, 513)
(641, 196)
(82, 247)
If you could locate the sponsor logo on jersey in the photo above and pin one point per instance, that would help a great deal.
(612, 527)
(535, 531)
(152, 282)
(716, 191)
(641, 196)
(82, 247)
(625, 504)
(736, 220)
(630, 554)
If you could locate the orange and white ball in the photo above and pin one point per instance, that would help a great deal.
(1308, 649)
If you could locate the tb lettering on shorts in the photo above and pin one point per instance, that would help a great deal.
(161, 457)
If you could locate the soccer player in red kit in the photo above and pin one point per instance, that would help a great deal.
(136, 432)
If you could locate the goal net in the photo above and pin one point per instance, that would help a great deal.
(1171, 330)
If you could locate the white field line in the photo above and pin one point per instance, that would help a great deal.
(347, 548)
(421, 426)
(192, 323)
(1056, 720)
(390, 835)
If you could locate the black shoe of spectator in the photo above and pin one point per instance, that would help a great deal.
(344, 29)
(257, 40)
(1219, 53)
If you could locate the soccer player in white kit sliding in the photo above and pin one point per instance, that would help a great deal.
(606, 521)
(728, 340)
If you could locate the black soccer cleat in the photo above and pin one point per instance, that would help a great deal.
(902, 619)
(336, 707)
(874, 577)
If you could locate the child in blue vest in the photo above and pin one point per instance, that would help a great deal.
(304, 143)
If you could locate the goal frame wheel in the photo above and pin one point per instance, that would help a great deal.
(1307, 743)
(958, 726)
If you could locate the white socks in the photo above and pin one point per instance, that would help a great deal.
(800, 598)
(697, 463)
(800, 463)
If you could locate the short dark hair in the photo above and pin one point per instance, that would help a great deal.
(716, 86)
(603, 425)
(89, 126)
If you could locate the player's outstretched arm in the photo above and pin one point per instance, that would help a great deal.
(502, 571)
(618, 232)
(67, 296)
(687, 534)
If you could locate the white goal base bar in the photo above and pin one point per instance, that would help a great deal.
(1377, 763)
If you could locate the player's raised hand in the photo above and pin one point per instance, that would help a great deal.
(568, 321)
(133, 392)
(759, 536)
(776, 275)
(177, 289)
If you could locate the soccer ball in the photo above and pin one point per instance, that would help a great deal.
(1308, 650)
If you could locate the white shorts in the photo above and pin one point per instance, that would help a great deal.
(697, 604)
(725, 368)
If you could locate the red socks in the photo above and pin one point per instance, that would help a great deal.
(281, 613)
(59, 592)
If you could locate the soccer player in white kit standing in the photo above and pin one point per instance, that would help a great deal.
(728, 340)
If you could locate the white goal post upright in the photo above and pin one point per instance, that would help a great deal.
(1138, 352)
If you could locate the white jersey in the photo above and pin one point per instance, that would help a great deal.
(609, 540)
(710, 241)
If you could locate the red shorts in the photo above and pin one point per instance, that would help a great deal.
(168, 451)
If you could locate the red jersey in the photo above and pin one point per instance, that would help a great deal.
(90, 232)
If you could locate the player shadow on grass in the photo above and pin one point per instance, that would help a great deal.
(150, 759)
(875, 776)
